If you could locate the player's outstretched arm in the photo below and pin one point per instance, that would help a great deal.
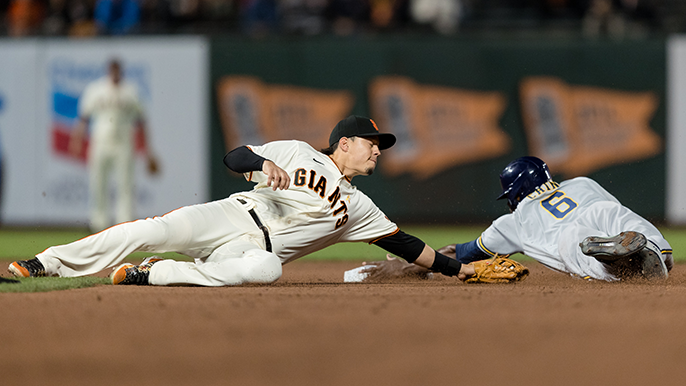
(448, 250)
(438, 262)
(153, 165)
(465, 253)
(394, 268)
(416, 251)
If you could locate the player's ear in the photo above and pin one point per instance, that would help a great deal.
(343, 143)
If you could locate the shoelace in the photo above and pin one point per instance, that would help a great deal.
(34, 266)
(138, 274)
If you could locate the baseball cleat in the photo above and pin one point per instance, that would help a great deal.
(613, 248)
(652, 265)
(128, 273)
(27, 268)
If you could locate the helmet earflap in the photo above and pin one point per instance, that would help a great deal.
(521, 177)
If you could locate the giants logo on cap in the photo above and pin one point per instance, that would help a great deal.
(374, 124)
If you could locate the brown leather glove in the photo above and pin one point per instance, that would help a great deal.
(497, 270)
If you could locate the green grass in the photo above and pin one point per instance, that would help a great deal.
(47, 284)
(435, 236)
(677, 239)
(25, 243)
(438, 236)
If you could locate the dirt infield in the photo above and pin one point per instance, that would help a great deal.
(310, 328)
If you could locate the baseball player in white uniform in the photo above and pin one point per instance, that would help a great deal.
(575, 227)
(303, 201)
(112, 107)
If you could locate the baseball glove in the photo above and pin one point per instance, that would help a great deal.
(497, 270)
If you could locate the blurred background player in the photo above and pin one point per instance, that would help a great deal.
(575, 227)
(113, 109)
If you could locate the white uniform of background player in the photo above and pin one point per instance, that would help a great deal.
(113, 109)
(303, 201)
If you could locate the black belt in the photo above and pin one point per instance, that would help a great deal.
(267, 241)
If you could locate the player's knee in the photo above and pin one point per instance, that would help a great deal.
(158, 231)
(261, 267)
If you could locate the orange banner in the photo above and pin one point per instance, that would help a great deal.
(437, 127)
(253, 112)
(578, 129)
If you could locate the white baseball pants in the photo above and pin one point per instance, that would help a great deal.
(106, 160)
(222, 237)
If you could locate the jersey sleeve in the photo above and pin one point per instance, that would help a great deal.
(282, 153)
(468, 252)
(501, 237)
(243, 160)
(371, 226)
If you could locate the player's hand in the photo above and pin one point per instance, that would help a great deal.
(448, 250)
(466, 272)
(153, 165)
(277, 178)
(394, 268)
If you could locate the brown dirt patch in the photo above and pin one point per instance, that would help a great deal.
(310, 328)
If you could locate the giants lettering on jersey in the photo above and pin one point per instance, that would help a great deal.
(302, 176)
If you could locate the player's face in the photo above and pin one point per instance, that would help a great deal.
(363, 154)
(115, 73)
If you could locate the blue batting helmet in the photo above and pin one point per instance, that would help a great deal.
(521, 177)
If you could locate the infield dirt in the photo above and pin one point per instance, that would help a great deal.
(310, 328)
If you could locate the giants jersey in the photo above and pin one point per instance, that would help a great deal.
(549, 224)
(112, 109)
(320, 207)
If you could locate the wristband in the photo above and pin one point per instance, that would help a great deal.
(445, 265)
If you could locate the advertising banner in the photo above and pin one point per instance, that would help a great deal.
(579, 129)
(437, 127)
(18, 136)
(253, 112)
(42, 82)
(461, 110)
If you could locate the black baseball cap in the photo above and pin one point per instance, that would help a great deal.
(356, 126)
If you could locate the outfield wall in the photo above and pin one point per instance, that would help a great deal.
(461, 108)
